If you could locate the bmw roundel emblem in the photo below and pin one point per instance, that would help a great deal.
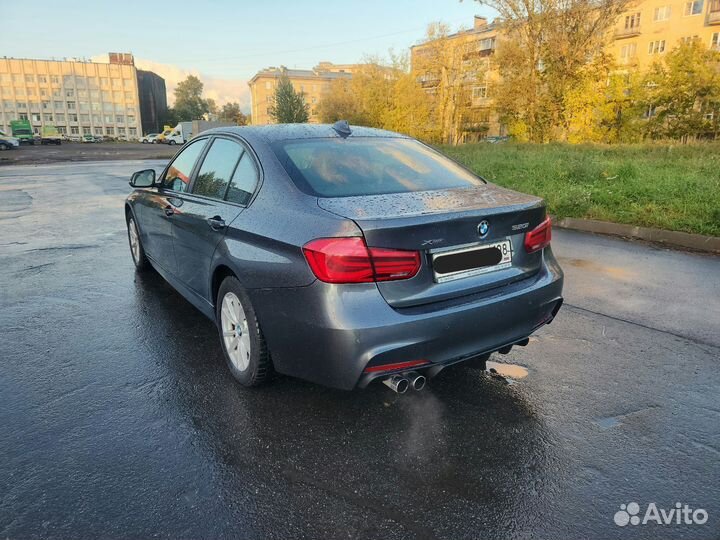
(483, 228)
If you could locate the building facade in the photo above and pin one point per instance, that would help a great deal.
(311, 82)
(650, 28)
(641, 35)
(153, 101)
(78, 97)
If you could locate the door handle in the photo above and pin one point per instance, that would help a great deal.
(169, 211)
(216, 223)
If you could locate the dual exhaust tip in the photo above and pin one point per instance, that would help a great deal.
(401, 383)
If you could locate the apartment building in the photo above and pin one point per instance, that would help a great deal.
(311, 82)
(647, 30)
(652, 27)
(78, 97)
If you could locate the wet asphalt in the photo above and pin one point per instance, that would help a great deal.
(119, 419)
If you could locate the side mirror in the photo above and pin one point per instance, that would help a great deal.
(144, 178)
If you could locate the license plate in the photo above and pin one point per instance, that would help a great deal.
(472, 261)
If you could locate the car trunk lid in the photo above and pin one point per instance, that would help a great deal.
(441, 222)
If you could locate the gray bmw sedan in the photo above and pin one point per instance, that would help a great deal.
(341, 254)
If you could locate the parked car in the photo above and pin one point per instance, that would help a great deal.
(99, 138)
(74, 138)
(149, 138)
(344, 255)
(7, 142)
(88, 138)
(160, 139)
(23, 131)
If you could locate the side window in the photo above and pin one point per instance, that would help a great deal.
(244, 181)
(217, 168)
(177, 177)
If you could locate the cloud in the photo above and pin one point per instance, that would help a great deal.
(221, 90)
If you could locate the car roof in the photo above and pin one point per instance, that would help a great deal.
(272, 133)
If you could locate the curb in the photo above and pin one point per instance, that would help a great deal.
(699, 242)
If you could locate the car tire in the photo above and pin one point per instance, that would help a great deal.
(241, 339)
(137, 252)
(172, 143)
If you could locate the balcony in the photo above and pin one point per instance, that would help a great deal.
(624, 33)
(713, 17)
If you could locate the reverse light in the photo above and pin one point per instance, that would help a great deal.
(349, 260)
(539, 237)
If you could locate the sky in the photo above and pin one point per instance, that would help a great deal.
(223, 42)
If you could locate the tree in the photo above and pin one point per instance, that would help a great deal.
(681, 95)
(382, 95)
(450, 67)
(230, 112)
(288, 106)
(547, 50)
(189, 104)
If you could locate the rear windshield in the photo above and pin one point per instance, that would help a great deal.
(368, 166)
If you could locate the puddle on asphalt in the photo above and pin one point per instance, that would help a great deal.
(613, 271)
(509, 372)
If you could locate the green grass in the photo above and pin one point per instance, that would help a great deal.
(662, 186)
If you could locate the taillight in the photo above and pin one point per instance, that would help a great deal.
(349, 260)
(539, 237)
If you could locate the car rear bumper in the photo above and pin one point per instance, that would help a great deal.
(330, 334)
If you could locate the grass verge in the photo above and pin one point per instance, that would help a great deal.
(663, 186)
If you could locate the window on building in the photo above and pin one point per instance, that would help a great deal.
(56, 92)
(662, 13)
(20, 92)
(688, 39)
(95, 106)
(29, 78)
(45, 104)
(71, 105)
(632, 21)
(74, 130)
(133, 132)
(650, 111)
(35, 117)
(43, 92)
(715, 40)
(268, 85)
(58, 104)
(116, 83)
(694, 7)
(656, 47)
(72, 117)
(59, 117)
(97, 130)
(30, 91)
(62, 130)
(84, 106)
(54, 79)
(22, 116)
(82, 94)
(714, 6)
(86, 131)
(130, 119)
(48, 117)
(628, 51)
(109, 131)
(16, 78)
(108, 119)
(97, 119)
(104, 81)
(479, 92)
(128, 96)
(127, 83)
(94, 95)
(121, 131)
(22, 105)
(107, 107)
(119, 118)
(42, 79)
(69, 92)
(85, 118)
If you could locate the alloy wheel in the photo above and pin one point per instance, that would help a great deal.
(236, 336)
